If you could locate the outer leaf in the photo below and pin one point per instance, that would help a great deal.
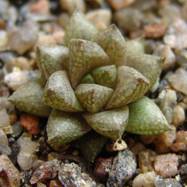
(28, 98)
(146, 118)
(79, 28)
(113, 42)
(91, 145)
(131, 85)
(84, 56)
(148, 65)
(59, 94)
(93, 97)
(110, 124)
(105, 75)
(63, 128)
(51, 59)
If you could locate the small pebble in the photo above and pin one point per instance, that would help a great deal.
(17, 78)
(123, 169)
(144, 180)
(48, 170)
(5, 122)
(129, 19)
(180, 142)
(176, 36)
(71, 5)
(40, 7)
(22, 63)
(4, 147)
(163, 141)
(70, 174)
(168, 55)
(178, 80)
(167, 100)
(146, 160)
(156, 30)
(22, 39)
(159, 182)
(166, 165)
(30, 123)
(102, 168)
(119, 4)
(26, 156)
(101, 18)
(178, 115)
(8, 173)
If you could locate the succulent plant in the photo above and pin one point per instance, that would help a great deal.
(97, 81)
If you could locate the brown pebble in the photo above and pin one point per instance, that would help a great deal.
(146, 160)
(154, 30)
(48, 170)
(9, 175)
(30, 123)
(181, 142)
(166, 165)
(119, 4)
(165, 140)
(102, 168)
(144, 180)
(40, 6)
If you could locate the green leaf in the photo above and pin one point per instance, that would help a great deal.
(146, 118)
(84, 56)
(79, 28)
(63, 128)
(51, 59)
(91, 145)
(105, 75)
(131, 85)
(59, 94)
(110, 123)
(113, 42)
(93, 97)
(28, 98)
(148, 65)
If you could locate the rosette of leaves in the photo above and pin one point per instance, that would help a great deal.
(97, 80)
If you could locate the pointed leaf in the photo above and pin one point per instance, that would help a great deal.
(91, 145)
(146, 118)
(84, 56)
(63, 128)
(113, 42)
(105, 75)
(28, 98)
(148, 65)
(110, 124)
(93, 97)
(88, 79)
(59, 94)
(131, 85)
(79, 28)
(51, 59)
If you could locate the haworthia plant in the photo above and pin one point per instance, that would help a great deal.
(98, 76)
